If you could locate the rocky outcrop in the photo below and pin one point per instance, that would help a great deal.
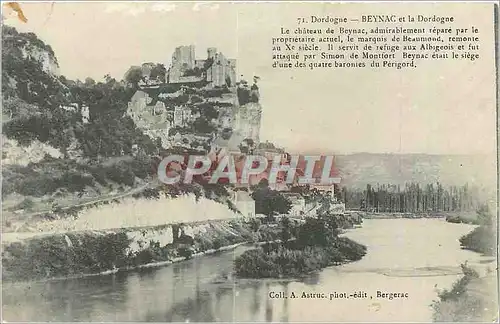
(13, 153)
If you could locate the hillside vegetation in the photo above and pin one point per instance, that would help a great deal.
(33, 98)
(76, 160)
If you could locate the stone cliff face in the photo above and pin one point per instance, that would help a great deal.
(47, 60)
(29, 66)
(14, 154)
(28, 46)
(247, 120)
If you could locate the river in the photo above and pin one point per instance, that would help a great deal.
(413, 256)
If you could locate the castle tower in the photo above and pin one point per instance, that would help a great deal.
(183, 59)
(184, 56)
(211, 51)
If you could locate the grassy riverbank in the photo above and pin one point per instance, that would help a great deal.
(93, 252)
(473, 298)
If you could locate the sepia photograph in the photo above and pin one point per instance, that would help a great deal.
(286, 161)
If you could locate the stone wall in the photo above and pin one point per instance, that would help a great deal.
(131, 212)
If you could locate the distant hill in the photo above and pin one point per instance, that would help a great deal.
(358, 170)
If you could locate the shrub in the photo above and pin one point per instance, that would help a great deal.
(482, 239)
(27, 203)
(220, 242)
(121, 173)
(62, 255)
(185, 252)
(268, 234)
(202, 243)
(456, 305)
(453, 219)
(255, 224)
(350, 249)
(142, 257)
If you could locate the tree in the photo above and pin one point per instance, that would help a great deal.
(313, 232)
(133, 76)
(158, 72)
(285, 230)
(89, 82)
(337, 192)
(484, 216)
(209, 112)
(201, 125)
(270, 202)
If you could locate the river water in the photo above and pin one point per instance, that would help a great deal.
(413, 256)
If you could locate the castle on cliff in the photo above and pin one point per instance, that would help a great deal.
(216, 69)
(179, 112)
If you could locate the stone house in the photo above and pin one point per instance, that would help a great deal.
(298, 203)
(244, 203)
(138, 103)
(182, 116)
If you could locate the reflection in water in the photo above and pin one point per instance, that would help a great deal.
(426, 255)
(312, 279)
(269, 305)
(284, 318)
(197, 309)
(218, 297)
(255, 305)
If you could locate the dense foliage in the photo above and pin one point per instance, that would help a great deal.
(310, 246)
(412, 198)
(51, 175)
(270, 202)
(33, 100)
(483, 238)
(48, 257)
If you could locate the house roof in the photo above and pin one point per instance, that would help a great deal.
(138, 94)
(293, 195)
(153, 102)
(266, 145)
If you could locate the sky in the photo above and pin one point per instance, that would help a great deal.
(441, 107)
